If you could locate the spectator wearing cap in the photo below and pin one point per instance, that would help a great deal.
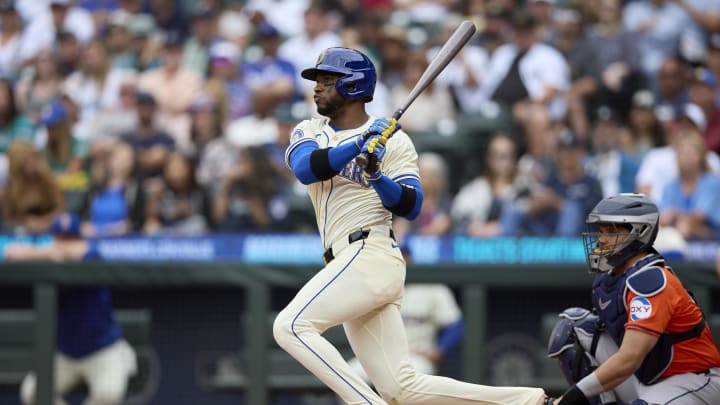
(203, 34)
(659, 166)
(226, 82)
(542, 11)
(169, 16)
(567, 35)
(671, 89)
(529, 77)
(68, 51)
(173, 86)
(609, 163)
(702, 92)
(66, 154)
(644, 130)
(303, 49)
(12, 41)
(269, 72)
(95, 86)
(61, 16)
(559, 207)
(497, 26)
(152, 145)
(689, 202)
(147, 42)
(393, 54)
(608, 72)
(119, 39)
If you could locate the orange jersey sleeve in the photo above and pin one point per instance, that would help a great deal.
(674, 311)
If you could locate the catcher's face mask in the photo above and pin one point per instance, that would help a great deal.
(604, 241)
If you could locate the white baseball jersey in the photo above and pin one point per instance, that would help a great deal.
(427, 308)
(362, 289)
(347, 202)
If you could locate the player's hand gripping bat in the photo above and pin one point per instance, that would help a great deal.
(453, 45)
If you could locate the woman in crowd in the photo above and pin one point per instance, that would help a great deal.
(177, 204)
(690, 203)
(477, 206)
(115, 203)
(31, 199)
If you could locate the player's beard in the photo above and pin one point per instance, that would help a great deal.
(331, 107)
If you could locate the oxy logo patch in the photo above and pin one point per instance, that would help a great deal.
(640, 308)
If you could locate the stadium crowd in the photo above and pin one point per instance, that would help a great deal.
(172, 116)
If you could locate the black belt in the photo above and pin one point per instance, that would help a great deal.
(328, 256)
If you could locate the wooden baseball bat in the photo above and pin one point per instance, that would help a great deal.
(457, 40)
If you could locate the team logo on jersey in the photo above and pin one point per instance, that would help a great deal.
(640, 308)
(297, 135)
(354, 173)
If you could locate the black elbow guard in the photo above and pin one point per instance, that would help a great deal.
(320, 164)
(406, 203)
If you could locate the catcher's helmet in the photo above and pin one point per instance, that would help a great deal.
(358, 72)
(634, 212)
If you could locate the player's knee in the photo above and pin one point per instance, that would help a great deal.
(400, 388)
(281, 329)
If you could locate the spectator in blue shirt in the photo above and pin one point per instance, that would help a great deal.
(557, 207)
(270, 73)
(690, 202)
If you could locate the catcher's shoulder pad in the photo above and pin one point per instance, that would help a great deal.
(648, 282)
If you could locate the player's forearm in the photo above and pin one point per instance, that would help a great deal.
(311, 164)
(404, 200)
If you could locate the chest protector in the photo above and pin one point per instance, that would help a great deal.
(646, 278)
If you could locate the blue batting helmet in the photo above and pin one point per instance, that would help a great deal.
(358, 72)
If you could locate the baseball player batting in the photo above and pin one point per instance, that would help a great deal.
(361, 285)
(648, 342)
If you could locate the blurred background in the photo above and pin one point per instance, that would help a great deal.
(147, 138)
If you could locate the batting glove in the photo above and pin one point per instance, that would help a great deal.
(384, 127)
(375, 146)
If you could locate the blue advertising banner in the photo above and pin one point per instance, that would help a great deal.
(306, 249)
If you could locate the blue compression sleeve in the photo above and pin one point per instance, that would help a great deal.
(451, 336)
(402, 198)
(340, 155)
(311, 164)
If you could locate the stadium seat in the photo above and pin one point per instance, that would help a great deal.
(16, 350)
